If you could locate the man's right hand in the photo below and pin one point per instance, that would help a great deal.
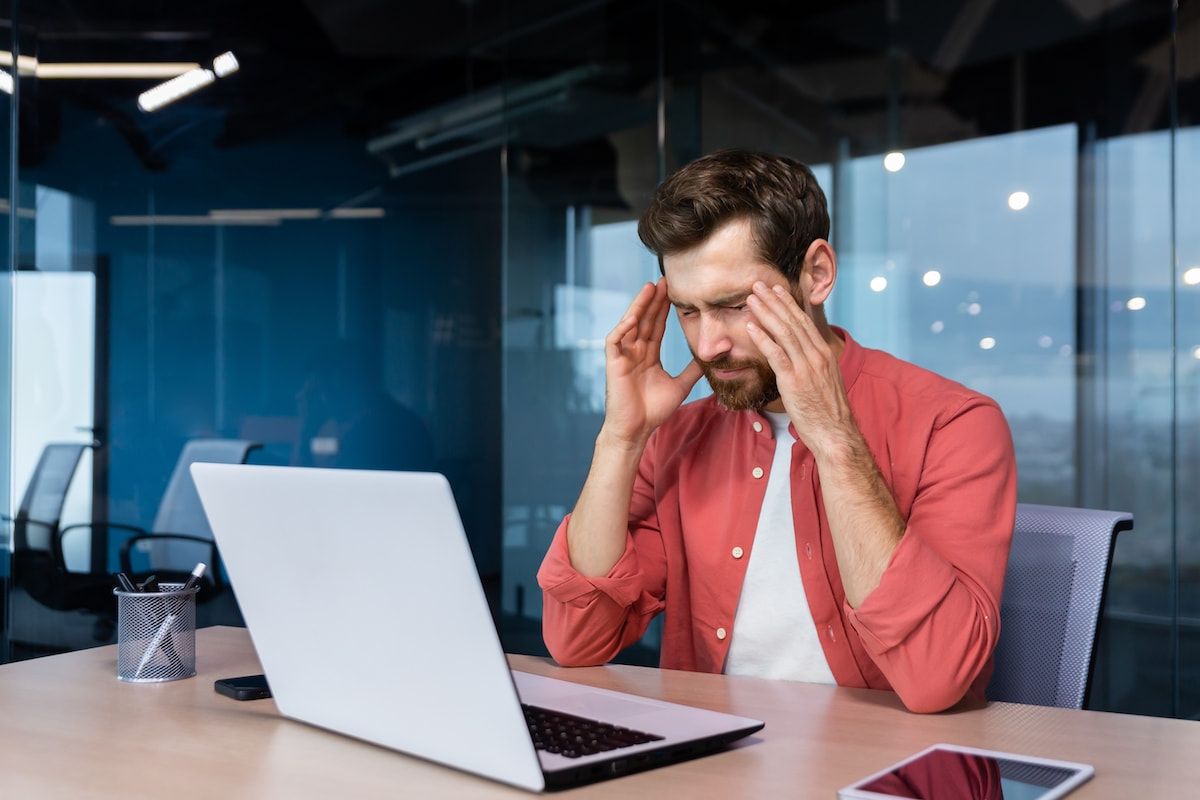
(640, 393)
(640, 396)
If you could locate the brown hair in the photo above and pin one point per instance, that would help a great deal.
(778, 195)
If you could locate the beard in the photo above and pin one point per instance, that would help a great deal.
(747, 393)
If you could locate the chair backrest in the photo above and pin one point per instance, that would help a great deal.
(36, 523)
(179, 510)
(1053, 600)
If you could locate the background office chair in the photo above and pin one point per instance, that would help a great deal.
(180, 535)
(38, 566)
(53, 608)
(1053, 601)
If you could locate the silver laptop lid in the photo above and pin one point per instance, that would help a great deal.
(361, 596)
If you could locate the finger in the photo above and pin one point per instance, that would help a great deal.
(614, 342)
(813, 347)
(642, 302)
(654, 309)
(772, 318)
(789, 324)
(691, 375)
(776, 356)
(800, 318)
(664, 310)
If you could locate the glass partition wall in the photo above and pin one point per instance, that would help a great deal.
(386, 241)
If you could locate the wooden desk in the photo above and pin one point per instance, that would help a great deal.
(69, 728)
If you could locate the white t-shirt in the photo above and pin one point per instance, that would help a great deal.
(773, 631)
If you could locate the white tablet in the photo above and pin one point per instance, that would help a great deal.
(945, 771)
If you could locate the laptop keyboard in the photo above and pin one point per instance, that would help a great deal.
(573, 737)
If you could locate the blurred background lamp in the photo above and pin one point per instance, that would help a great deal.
(893, 162)
(1018, 200)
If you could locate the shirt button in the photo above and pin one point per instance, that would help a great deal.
(758, 427)
(808, 551)
(829, 630)
(757, 472)
(721, 634)
(738, 552)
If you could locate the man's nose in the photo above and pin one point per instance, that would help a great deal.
(713, 339)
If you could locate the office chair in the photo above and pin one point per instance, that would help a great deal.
(180, 535)
(45, 596)
(38, 566)
(1052, 605)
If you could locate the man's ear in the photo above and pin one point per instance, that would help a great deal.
(819, 272)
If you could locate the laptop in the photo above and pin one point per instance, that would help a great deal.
(361, 596)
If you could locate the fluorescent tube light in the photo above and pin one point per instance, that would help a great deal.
(189, 219)
(265, 213)
(356, 213)
(269, 217)
(26, 65)
(225, 64)
(101, 70)
(172, 90)
(6, 82)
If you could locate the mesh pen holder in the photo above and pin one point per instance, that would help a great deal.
(156, 634)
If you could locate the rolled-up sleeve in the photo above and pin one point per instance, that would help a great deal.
(932, 624)
(587, 621)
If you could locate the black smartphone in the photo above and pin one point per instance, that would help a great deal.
(247, 687)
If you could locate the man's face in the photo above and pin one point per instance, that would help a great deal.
(708, 286)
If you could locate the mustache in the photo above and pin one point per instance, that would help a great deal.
(725, 363)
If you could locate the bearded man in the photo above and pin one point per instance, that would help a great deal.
(829, 514)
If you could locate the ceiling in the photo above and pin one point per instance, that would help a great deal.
(839, 70)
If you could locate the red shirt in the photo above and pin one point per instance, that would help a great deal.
(929, 628)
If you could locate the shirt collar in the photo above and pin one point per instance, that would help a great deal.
(852, 359)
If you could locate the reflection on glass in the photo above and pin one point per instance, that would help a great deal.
(948, 773)
(348, 420)
(943, 775)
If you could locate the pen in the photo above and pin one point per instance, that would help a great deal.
(197, 572)
(124, 583)
(160, 638)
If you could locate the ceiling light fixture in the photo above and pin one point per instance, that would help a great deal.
(177, 87)
(100, 70)
(269, 217)
(26, 65)
(373, 212)
(225, 64)
(264, 213)
(163, 220)
(6, 82)
(188, 82)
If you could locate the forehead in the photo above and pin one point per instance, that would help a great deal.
(723, 266)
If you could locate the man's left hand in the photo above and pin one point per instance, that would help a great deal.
(805, 365)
